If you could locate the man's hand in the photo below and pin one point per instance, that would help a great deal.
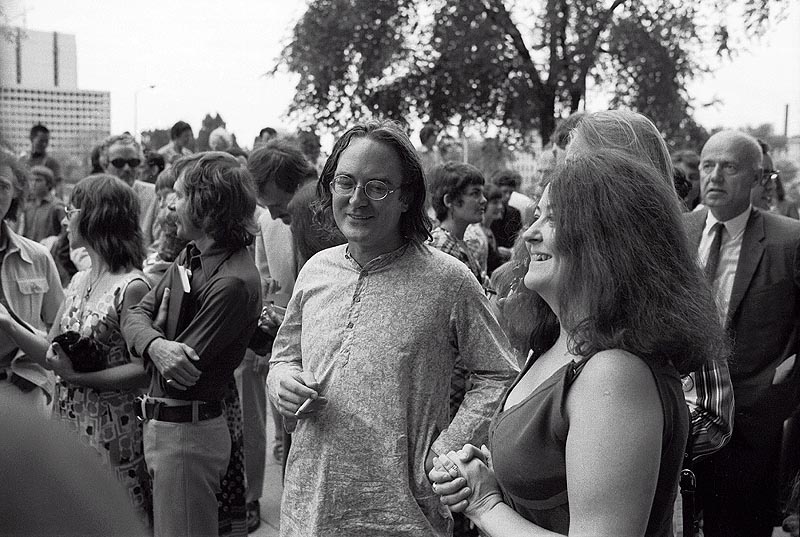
(59, 362)
(174, 362)
(271, 319)
(294, 389)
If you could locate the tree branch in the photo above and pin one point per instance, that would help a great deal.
(503, 20)
(591, 46)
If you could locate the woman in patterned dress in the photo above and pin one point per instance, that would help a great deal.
(99, 406)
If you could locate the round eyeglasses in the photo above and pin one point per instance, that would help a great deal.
(71, 211)
(375, 189)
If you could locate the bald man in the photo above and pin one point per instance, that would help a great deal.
(754, 269)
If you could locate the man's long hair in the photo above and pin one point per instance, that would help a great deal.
(220, 196)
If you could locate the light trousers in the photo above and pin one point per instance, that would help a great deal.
(187, 462)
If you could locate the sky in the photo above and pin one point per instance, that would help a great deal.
(207, 56)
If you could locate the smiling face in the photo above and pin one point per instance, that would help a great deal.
(371, 227)
(544, 270)
(729, 167)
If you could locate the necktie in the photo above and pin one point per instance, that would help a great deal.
(713, 253)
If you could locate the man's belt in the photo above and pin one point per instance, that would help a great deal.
(177, 411)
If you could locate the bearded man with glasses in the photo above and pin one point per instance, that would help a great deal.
(121, 156)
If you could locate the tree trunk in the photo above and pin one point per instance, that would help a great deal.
(547, 113)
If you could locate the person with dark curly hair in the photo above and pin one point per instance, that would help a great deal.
(98, 403)
(374, 327)
(214, 289)
(590, 438)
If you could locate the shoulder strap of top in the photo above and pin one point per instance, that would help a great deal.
(122, 287)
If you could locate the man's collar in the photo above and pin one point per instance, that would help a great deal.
(734, 226)
(210, 258)
(10, 244)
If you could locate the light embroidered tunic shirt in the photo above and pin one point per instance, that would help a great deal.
(382, 341)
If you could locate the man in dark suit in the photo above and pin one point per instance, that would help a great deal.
(751, 258)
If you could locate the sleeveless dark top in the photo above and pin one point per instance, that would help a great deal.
(528, 449)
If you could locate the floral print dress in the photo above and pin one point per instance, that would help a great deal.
(104, 420)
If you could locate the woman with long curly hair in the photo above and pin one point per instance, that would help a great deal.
(591, 436)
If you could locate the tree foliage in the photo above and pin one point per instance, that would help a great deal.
(510, 65)
(155, 139)
(209, 124)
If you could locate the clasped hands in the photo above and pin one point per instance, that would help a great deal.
(465, 481)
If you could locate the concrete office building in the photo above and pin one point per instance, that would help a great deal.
(39, 84)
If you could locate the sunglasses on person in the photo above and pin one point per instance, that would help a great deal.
(121, 162)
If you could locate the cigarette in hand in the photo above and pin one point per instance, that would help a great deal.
(304, 406)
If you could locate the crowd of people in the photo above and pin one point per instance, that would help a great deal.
(447, 350)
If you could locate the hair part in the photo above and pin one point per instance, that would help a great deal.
(109, 220)
(220, 197)
(451, 179)
(414, 222)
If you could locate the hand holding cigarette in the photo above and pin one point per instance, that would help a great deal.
(298, 395)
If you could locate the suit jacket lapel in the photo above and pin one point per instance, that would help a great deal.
(695, 222)
(749, 257)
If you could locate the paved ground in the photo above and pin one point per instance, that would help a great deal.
(271, 498)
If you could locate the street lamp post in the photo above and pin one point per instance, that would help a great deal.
(136, 135)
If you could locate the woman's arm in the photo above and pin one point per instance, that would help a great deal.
(34, 345)
(613, 454)
(613, 450)
(122, 377)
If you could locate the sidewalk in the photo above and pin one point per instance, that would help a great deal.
(273, 488)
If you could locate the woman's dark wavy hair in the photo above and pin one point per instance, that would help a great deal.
(629, 279)
(414, 223)
(109, 220)
(21, 178)
(220, 197)
(453, 178)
